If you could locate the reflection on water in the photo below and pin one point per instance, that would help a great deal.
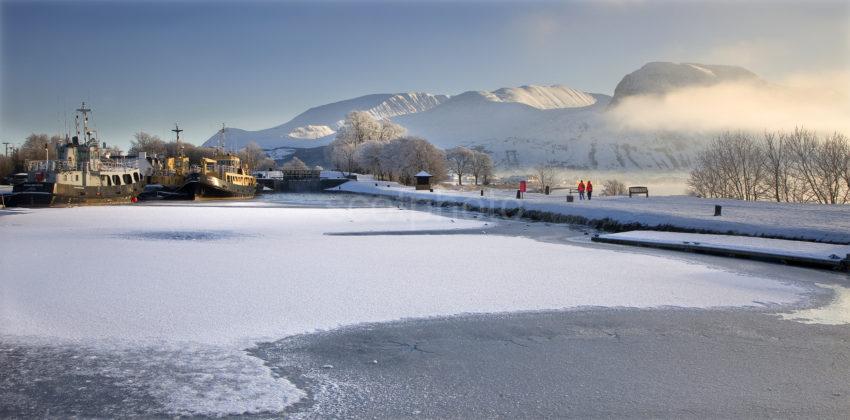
(836, 312)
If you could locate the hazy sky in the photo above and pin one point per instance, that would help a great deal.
(254, 65)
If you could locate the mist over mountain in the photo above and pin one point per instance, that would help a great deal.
(523, 126)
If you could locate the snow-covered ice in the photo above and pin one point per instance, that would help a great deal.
(218, 278)
(219, 274)
(816, 222)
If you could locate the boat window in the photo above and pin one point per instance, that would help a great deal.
(128, 179)
(136, 176)
(116, 180)
(76, 177)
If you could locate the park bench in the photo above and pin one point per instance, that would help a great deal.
(638, 190)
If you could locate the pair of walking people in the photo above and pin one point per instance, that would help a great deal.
(582, 188)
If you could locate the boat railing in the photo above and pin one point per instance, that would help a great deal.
(64, 165)
(52, 166)
(115, 165)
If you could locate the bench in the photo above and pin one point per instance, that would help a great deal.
(638, 190)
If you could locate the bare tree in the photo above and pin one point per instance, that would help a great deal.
(150, 144)
(545, 174)
(253, 156)
(792, 167)
(481, 166)
(732, 166)
(459, 160)
(613, 187)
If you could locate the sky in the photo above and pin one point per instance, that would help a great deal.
(145, 65)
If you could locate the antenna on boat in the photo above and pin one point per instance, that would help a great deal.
(221, 137)
(85, 111)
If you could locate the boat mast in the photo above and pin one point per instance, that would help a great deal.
(221, 141)
(85, 111)
(178, 131)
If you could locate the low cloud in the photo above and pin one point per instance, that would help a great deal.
(816, 101)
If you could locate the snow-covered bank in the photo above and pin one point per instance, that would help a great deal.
(199, 283)
(815, 222)
(802, 251)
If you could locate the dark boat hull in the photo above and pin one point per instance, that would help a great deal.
(47, 194)
(202, 187)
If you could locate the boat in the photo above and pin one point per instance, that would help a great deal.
(222, 176)
(166, 176)
(81, 174)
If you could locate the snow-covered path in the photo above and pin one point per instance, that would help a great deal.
(830, 223)
(192, 285)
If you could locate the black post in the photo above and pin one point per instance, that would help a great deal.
(546, 190)
(717, 210)
(482, 193)
(518, 194)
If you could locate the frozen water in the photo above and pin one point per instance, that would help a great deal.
(205, 282)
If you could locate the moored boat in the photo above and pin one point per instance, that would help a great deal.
(81, 174)
(223, 176)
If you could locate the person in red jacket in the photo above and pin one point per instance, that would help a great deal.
(581, 190)
(589, 189)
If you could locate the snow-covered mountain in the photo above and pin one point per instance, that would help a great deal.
(663, 77)
(521, 126)
(317, 126)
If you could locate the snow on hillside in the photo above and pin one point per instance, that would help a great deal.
(331, 117)
(311, 132)
(406, 103)
(545, 97)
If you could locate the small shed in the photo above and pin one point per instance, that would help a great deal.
(423, 180)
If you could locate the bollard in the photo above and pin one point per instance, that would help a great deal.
(432, 190)
(569, 198)
(717, 210)
(376, 184)
(482, 193)
(546, 190)
(518, 194)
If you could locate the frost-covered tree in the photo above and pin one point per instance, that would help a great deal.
(359, 127)
(459, 161)
(295, 164)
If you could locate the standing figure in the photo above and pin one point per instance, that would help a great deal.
(581, 190)
(589, 189)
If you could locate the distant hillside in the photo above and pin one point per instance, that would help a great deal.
(520, 126)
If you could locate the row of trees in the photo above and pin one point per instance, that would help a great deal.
(251, 155)
(381, 148)
(476, 162)
(798, 166)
